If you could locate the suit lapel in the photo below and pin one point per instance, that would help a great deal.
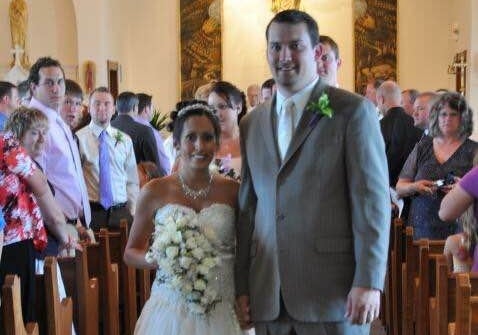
(268, 130)
(305, 125)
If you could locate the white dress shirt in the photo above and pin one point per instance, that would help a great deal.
(124, 174)
(300, 101)
(61, 164)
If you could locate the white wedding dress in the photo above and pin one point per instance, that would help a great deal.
(165, 313)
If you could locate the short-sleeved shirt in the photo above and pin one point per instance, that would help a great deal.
(422, 164)
(469, 183)
(21, 212)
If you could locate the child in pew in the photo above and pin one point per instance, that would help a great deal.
(461, 248)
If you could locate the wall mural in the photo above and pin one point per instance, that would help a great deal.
(375, 39)
(200, 44)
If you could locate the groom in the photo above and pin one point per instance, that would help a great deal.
(314, 202)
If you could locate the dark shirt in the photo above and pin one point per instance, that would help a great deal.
(400, 137)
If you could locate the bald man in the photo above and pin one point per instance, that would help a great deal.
(397, 128)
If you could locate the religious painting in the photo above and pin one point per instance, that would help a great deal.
(375, 40)
(200, 44)
(280, 5)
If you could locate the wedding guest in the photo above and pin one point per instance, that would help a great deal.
(144, 143)
(25, 198)
(109, 165)
(228, 101)
(421, 110)
(145, 115)
(8, 101)
(398, 132)
(329, 63)
(267, 90)
(192, 194)
(252, 92)
(460, 249)
(30, 128)
(72, 108)
(430, 170)
(60, 160)
(408, 99)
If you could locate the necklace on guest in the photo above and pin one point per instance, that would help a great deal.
(195, 194)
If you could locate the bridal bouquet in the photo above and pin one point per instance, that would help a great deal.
(185, 259)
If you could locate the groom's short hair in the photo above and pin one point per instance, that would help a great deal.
(293, 16)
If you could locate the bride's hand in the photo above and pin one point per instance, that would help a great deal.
(243, 312)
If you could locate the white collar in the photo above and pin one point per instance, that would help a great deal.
(300, 98)
(96, 130)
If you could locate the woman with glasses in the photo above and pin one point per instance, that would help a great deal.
(229, 103)
(436, 163)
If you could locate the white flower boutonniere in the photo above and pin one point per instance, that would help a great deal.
(118, 138)
(320, 108)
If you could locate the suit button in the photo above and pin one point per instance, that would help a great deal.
(280, 217)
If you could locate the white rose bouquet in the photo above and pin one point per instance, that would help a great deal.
(185, 259)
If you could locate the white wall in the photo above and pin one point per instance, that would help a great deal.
(473, 64)
(244, 44)
(424, 44)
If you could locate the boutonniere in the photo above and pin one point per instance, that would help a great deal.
(320, 108)
(118, 138)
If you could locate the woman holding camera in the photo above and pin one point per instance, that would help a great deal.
(436, 163)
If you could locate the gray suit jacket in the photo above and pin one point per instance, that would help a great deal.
(317, 224)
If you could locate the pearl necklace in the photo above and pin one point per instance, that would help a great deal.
(195, 194)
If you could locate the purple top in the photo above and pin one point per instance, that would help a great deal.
(163, 158)
(469, 183)
(61, 164)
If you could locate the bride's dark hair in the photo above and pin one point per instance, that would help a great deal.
(187, 108)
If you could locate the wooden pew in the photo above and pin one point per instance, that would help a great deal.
(393, 301)
(53, 316)
(429, 252)
(127, 279)
(84, 291)
(100, 265)
(12, 309)
(420, 257)
(409, 269)
(451, 310)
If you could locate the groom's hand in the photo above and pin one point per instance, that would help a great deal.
(363, 305)
(243, 312)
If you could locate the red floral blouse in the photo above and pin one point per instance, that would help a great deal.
(22, 215)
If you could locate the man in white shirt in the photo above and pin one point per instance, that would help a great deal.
(109, 165)
(421, 110)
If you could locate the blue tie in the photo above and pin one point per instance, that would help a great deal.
(106, 192)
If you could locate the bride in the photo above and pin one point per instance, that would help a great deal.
(210, 200)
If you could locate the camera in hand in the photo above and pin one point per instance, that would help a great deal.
(449, 180)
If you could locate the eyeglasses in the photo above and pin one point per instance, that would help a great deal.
(444, 114)
(221, 106)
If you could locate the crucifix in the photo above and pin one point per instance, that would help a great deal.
(458, 68)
